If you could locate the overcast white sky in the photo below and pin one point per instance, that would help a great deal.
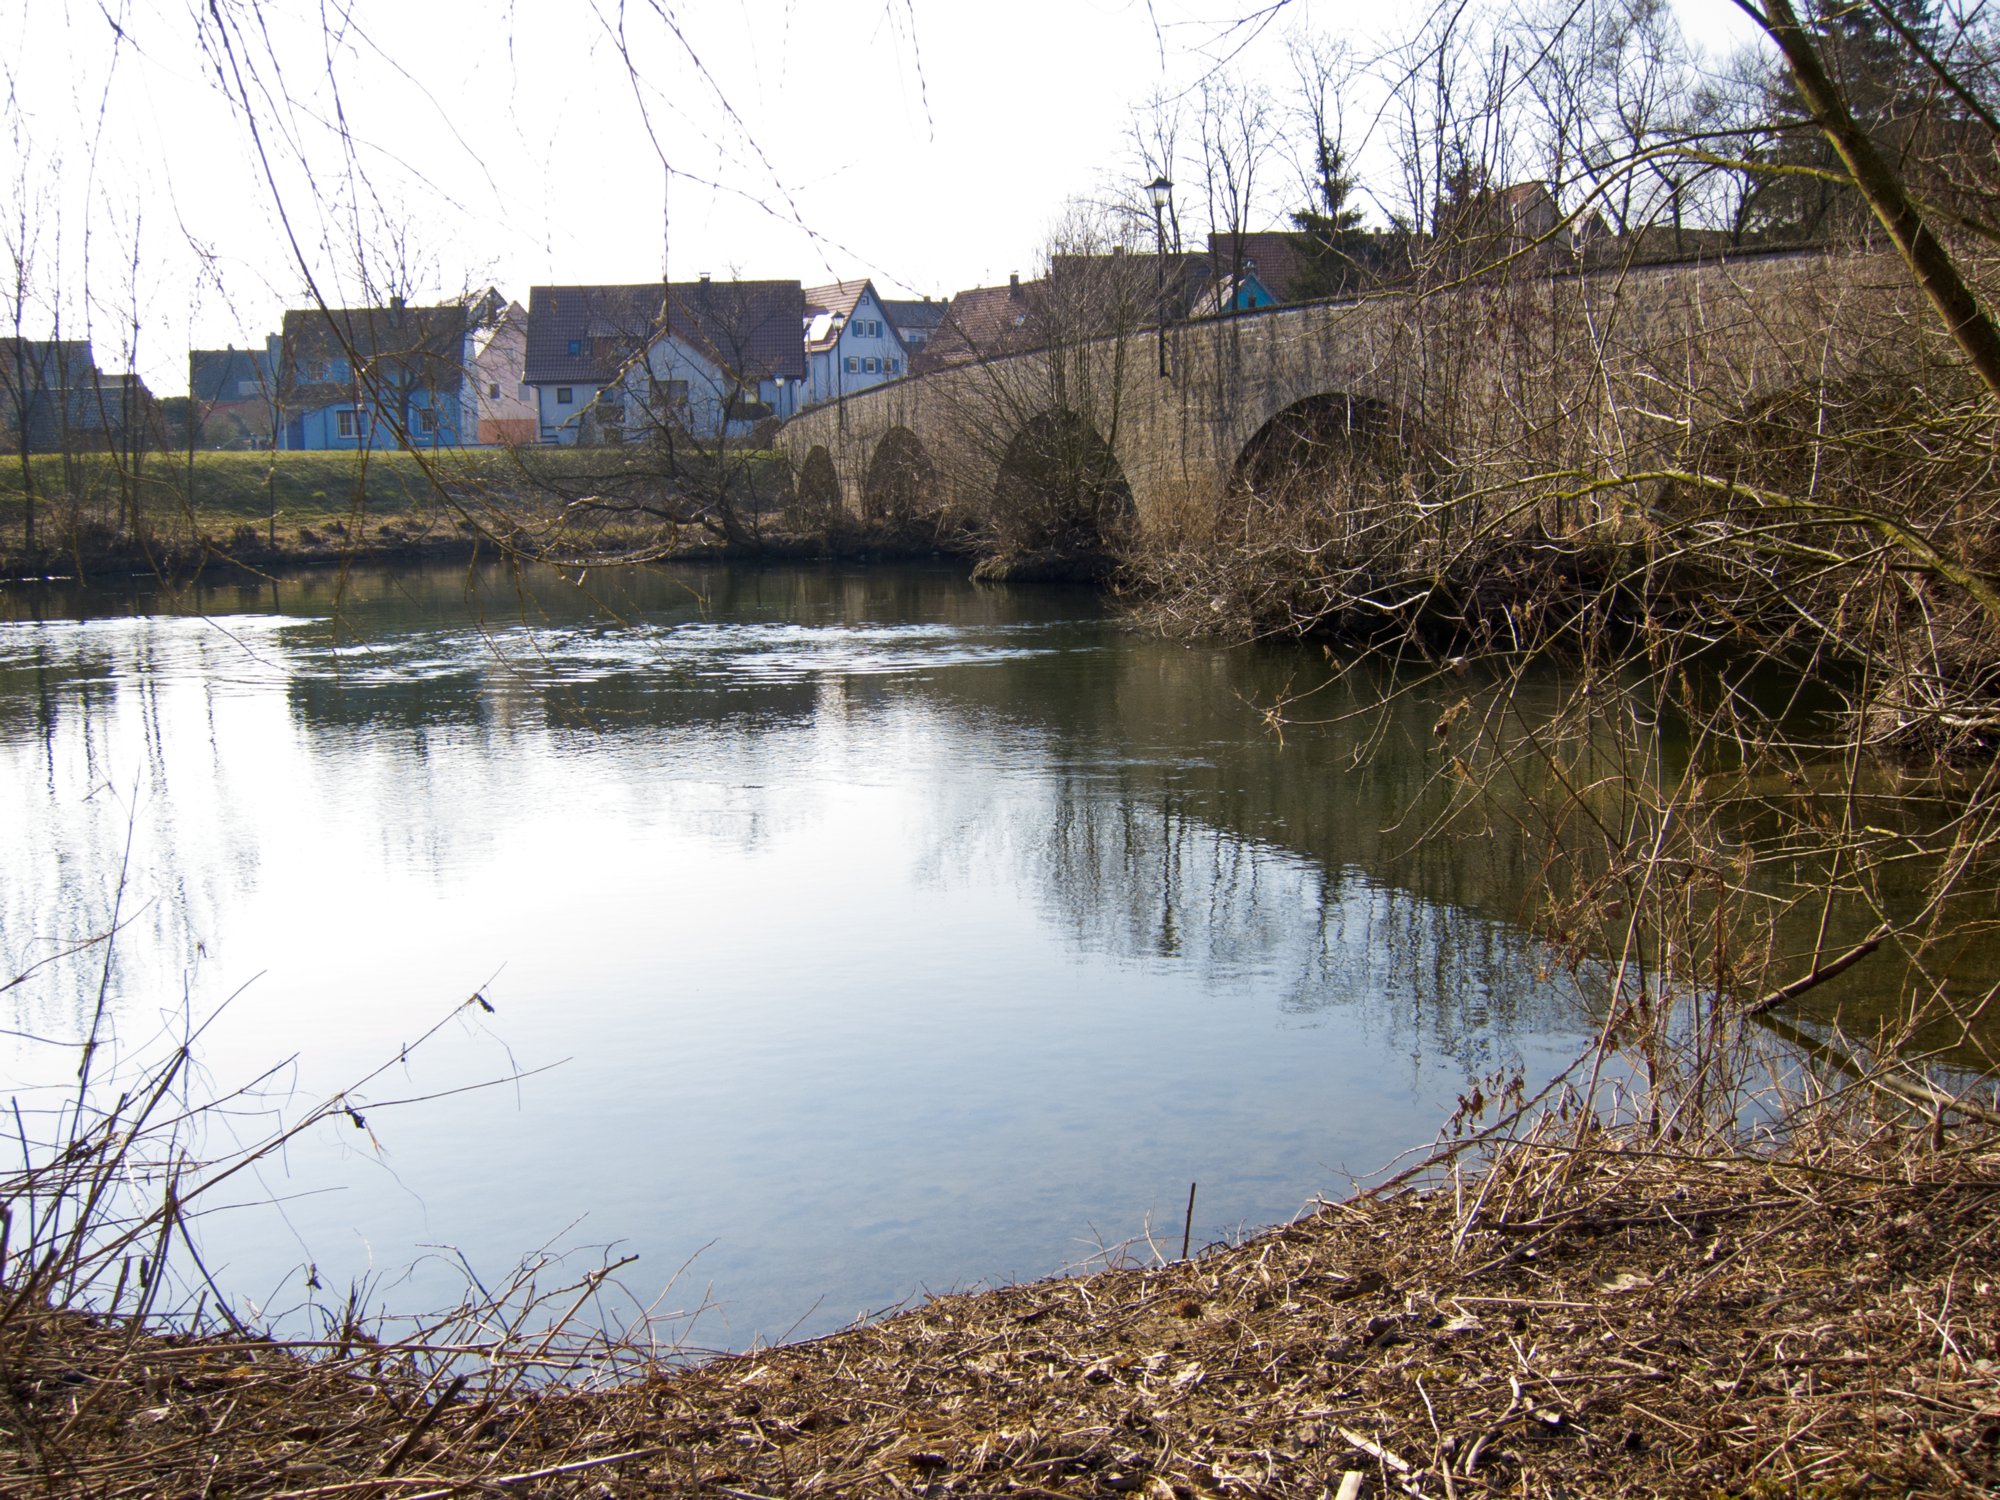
(929, 144)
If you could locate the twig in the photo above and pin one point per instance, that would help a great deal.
(395, 1460)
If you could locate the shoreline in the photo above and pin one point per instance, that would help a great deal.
(1593, 1313)
(184, 565)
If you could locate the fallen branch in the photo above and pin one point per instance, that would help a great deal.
(1818, 975)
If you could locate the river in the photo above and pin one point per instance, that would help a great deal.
(848, 934)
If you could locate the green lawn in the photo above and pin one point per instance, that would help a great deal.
(309, 500)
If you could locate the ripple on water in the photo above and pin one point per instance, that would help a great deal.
(708, 651)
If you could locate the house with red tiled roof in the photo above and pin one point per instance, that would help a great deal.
(1520, 220)
(709, 358)
(1099, 295)
(1273, 256)
(986, 322)
(916, 319)
(851, 343)
(235, 394)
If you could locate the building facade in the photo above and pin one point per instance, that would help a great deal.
(394, 376)
(851, 342)
(708, 359)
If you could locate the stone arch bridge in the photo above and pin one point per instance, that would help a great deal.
(1533, 371)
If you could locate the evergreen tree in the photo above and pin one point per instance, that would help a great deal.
(1338, 254)
(1887, 89)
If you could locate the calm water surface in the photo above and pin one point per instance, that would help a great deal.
(861, 934)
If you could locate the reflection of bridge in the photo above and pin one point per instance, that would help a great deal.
(1642, 357)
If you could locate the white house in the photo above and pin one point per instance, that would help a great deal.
(500, 405)
(850, 341)
(916, 319)
(606, 363)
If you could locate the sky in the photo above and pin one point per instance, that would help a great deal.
(179, 183)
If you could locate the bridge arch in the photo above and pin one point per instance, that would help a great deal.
(1061, 488)
(901, 480)
(819, 483)
(1321, 439)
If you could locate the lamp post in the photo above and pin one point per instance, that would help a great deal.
(1162, 190)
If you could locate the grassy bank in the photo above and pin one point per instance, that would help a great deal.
(176, 511)
(1592, 1313)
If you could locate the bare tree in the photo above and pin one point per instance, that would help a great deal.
(1238, 130)
(21, 371)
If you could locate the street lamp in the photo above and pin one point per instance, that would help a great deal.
(1162, 190)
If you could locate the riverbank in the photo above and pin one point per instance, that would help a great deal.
(179, 514)
(1597, 1313)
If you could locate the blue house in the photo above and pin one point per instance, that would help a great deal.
(382, 377)
(1240, 293)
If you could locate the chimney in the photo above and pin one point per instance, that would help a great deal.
(701, 290)
(1117, 249)
(1014, 284)
(395, 302)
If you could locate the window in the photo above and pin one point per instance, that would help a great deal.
(895, 367)
(343, 423)
(676, 392)
(493, 391)
(427, 420)
(869, 364)
(853, 364)
(576, 346)
(564, 395)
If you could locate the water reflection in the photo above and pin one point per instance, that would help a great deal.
(895, 932)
